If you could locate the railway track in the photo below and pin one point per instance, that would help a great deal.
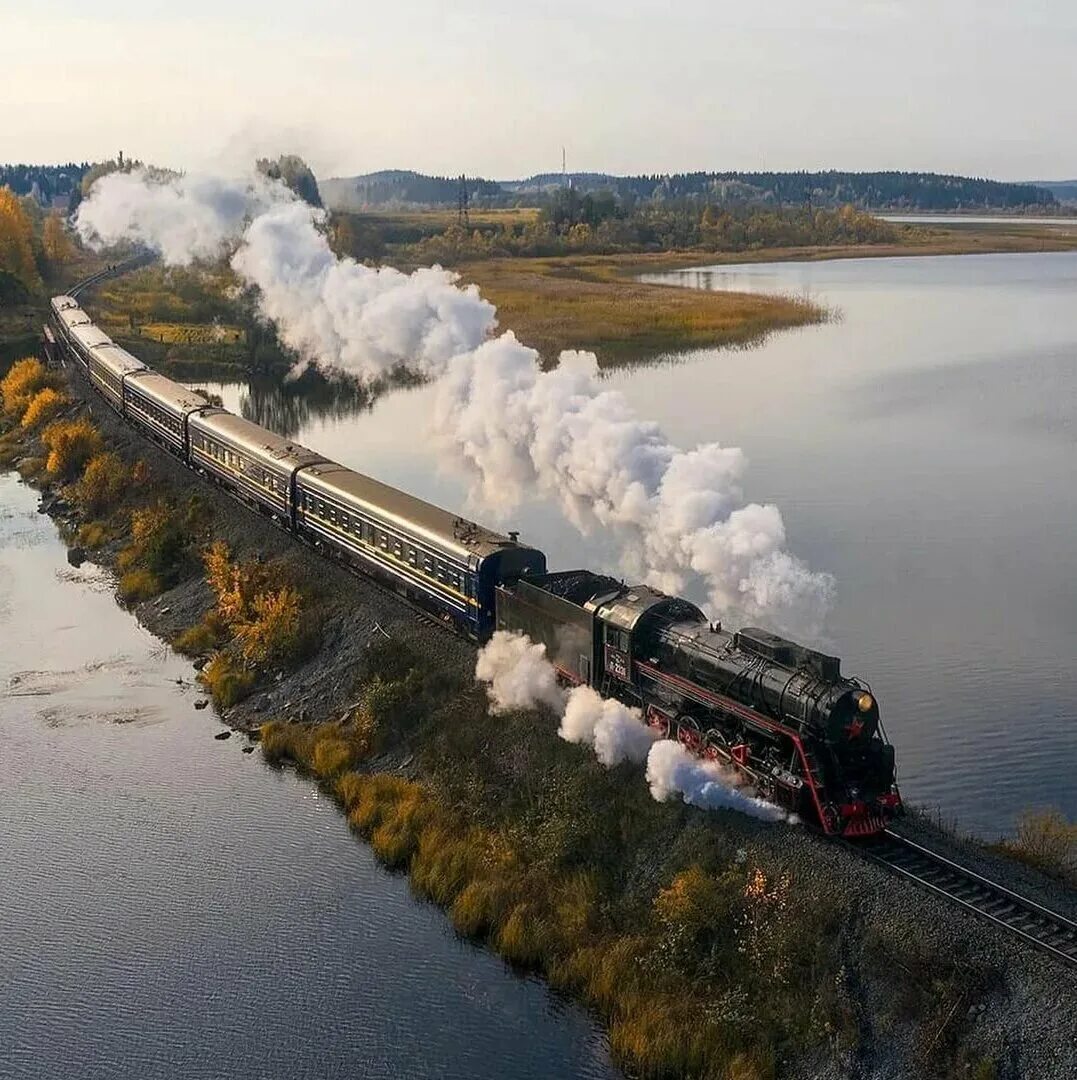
(143, 258)
(1047, 930)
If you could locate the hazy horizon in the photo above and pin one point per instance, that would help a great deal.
(979, 89)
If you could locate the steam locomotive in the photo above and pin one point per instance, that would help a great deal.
(780, 715)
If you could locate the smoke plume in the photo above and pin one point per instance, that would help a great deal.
(616, 732)
(518, 676)
(680, 515)
(673, 771)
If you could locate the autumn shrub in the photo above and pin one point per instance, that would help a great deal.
(275, 631)
(271, 621)
(103, 484)
(390, 812)
(227, 681)
(332, 755)
(1047, 840)
(158, 544)
(202, 638)
(24, 379)
(44, 406)
(94, 534)
(281, 741)
(138, 584)
(478, 907)
(70, 445)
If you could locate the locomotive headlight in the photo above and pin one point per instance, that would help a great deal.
(865, 702)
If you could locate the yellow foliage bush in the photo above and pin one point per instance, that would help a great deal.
(24, 379)
(478, 908)
(138, 584)
(44, 405)
(269, 622)
(274, 631)
(1047, 840)
(222, 576)
(226, 680)
(17, 240)
(332, 755)
(71, 444)
(282, 741)
(158, 543)
(199, 639)
(93, 534)
(104, 482)
(525, 937)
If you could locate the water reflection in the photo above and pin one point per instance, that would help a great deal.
(288, 407)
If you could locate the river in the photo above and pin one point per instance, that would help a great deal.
(921, 446)
(173, 907)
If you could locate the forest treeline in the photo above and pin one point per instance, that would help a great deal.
(830, 189)
(572, 223)
(43, 182)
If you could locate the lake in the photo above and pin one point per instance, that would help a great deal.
(173, 907)
(922, 448)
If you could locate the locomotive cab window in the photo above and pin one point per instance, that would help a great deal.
(617, 639)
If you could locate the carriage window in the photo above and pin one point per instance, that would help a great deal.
(413, 556)
(398, 549)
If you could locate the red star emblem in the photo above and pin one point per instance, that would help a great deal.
(856, 726)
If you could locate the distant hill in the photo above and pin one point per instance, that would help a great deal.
(404, 188)
(1063, 190)
(868, 190)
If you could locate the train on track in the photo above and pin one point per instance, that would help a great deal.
(780, 715)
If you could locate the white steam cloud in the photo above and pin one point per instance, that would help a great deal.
(518, 676)
(673, 771)
(679, 515)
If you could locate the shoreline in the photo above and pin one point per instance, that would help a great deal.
(599, 302)
(438, 757)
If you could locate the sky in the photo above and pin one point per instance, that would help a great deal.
(495, 89)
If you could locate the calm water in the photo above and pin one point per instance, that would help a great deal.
(171, 907)
(972, 219)
(923, 448)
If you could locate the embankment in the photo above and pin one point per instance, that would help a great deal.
(712, 944)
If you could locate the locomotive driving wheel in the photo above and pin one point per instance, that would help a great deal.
(715, 746)
(689, 734)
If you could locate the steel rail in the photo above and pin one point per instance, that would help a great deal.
(1048, 930)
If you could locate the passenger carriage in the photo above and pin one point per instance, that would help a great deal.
(110, 365)
(162, 407)
(447, 563)
(258, 465)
